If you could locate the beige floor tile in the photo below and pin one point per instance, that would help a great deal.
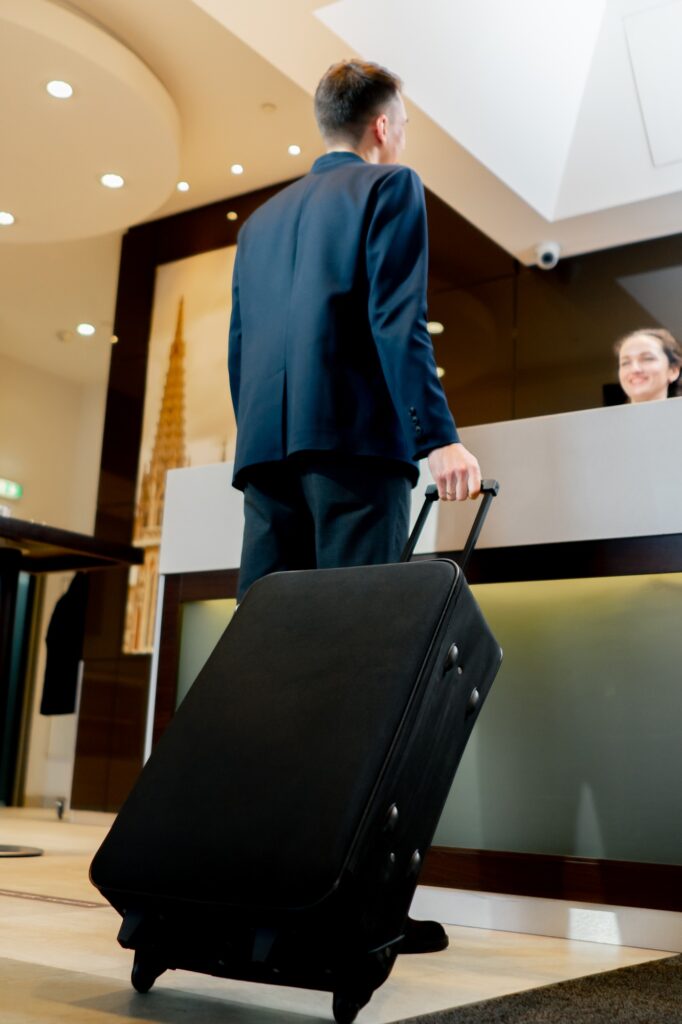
(60, 962)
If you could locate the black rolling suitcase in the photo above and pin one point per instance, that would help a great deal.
(278, 829)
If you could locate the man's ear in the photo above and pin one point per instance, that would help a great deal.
(381, 128)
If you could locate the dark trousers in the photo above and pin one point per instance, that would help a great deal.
(321, 511)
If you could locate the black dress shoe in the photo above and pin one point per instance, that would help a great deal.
(424, 937)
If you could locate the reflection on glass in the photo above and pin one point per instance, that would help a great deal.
(568, 318)
(518, 341)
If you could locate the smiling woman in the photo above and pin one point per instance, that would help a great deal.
(649, 362)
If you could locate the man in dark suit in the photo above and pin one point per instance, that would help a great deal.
(332, 371)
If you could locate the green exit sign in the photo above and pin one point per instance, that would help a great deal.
(10, 489)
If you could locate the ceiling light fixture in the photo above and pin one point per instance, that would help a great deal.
(232, 215)
(182, 186)
(114, 339)
(440, 371)
(60, 90)
(86, 330)
(294, 150)
(112, 180)
(6, 218)
(237, 169)
(434, 327)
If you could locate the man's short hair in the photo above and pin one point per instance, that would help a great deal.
(349, 95)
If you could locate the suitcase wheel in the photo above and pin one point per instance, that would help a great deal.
(145, 972)
(348, 1002)
(345, 1008)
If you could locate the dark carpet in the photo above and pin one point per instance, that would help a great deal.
(644, 994)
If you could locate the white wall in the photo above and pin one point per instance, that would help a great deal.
(50, 436)
(50, 442)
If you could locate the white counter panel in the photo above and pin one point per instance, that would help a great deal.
(203, 520)
(590, 475)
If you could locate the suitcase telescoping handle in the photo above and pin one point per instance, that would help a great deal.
(489, 488)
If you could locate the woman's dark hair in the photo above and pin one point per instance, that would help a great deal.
(349, 95)
(671, 347)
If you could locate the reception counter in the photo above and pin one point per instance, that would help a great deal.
(570, 785)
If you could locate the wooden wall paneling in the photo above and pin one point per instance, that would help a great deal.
(105, 764)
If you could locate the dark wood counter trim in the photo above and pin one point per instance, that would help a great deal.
(621, 556)
(178, 589)
(207, 586)
(612, 882)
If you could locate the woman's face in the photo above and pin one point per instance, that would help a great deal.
(643, 369)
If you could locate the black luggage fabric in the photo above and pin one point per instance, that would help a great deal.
(277, 831)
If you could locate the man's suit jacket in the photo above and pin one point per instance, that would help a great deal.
(328, 344)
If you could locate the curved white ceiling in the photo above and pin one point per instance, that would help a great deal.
(534, 119)
(120, 119)
(505, 80)
(559, 100)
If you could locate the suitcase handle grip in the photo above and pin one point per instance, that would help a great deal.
(489, 490)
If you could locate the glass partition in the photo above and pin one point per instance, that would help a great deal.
(203, 623)
(577, 751)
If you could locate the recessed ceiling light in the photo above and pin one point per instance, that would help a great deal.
(237, 169)
(434, 327)
(114, 339)
(112, 180)
(182, 186)
(60, 90)
(6, 218)
(294, 150)
(268, 108)
(85, 329)
(440, 371)
(232, 215)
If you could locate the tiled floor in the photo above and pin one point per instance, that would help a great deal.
(59, 961)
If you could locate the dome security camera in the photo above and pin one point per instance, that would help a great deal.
(547, 255)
